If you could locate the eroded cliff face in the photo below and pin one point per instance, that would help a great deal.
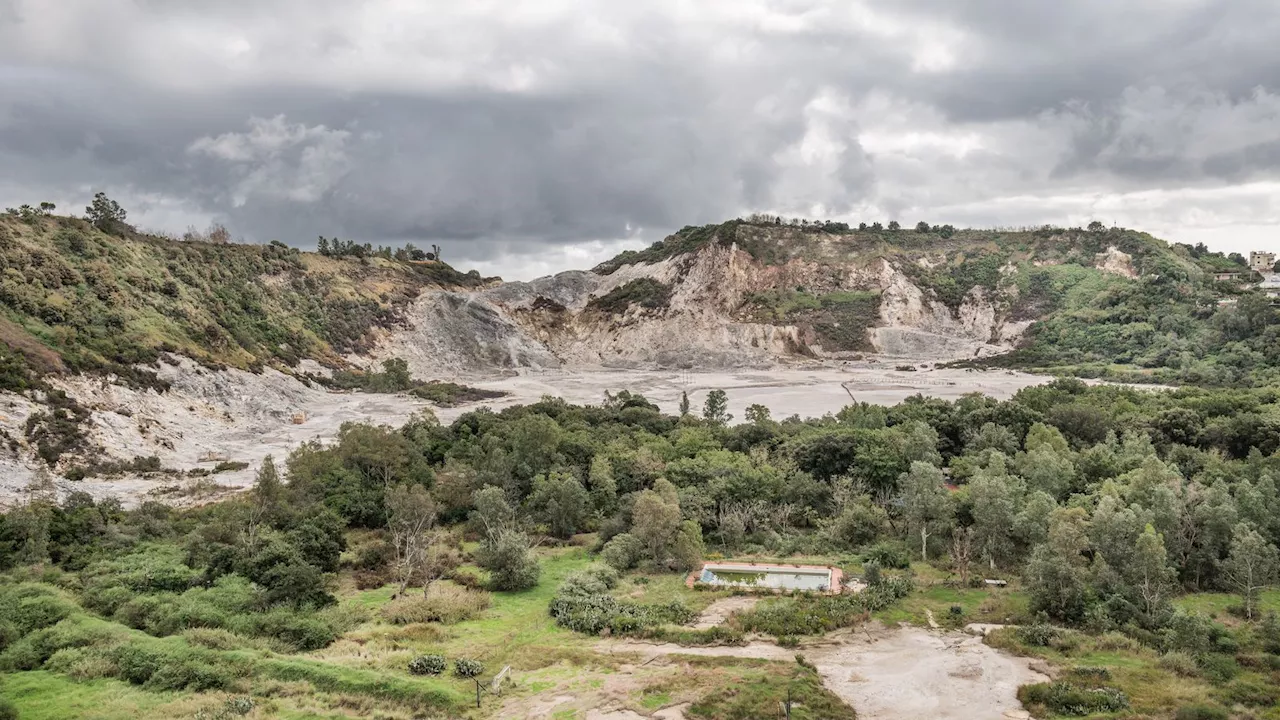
(552, 321)
(916, 324)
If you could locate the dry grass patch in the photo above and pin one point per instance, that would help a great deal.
(442, 603)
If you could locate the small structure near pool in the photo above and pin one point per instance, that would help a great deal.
(768, 577)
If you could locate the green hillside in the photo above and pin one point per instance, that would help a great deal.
(74, 298)
(1170, 322)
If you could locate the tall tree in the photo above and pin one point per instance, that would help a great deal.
(716, 408)
(962, 552)
(34, 518)
(1056, 576)
(656, 520)
(757, 414)
(1150, 570)
(926, 504)
(411, 514)
(264, 501)
(562, 502)
(492, 514)
(996, 498)
(106, 214)
(684, 404)
(1251, 565)
(603, 487)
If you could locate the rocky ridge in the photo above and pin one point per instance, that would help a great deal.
(553, 322)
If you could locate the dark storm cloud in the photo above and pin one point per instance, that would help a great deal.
(504, 130)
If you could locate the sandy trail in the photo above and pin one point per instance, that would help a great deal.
(895, 674)
(719, 611)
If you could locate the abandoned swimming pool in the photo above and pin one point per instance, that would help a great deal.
(751, 576)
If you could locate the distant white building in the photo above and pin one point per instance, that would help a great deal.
(1270, 285)
(1262, 262)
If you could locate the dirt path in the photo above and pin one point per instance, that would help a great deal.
(719, 611)
(895, 674)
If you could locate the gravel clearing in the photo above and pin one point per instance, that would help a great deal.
(895, 673)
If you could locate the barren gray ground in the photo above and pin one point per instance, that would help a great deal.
(804, 391)
(896, 673)
(238, 416)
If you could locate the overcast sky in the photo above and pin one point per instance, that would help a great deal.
(530, 137)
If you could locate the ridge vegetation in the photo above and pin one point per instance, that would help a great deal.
(84, 295)
(1105, 302)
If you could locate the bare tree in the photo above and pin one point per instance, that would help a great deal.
(962, 552)
(411, 515)
(438, 558)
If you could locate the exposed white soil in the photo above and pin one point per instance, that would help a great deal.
(804, 390)
(896, 673)
(205, 418)
(212, 416)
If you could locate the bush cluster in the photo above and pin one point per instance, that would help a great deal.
(428, 665)
(582, 604)
(818, 614)
(1064, 698)
(645, 292)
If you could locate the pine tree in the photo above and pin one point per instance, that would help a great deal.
(684, 404)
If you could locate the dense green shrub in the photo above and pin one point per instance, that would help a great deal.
(8, 711)
(136, 663)
(300, 630)
(36, 607)
(592, 614)
(1038, 634)
(593, 580)
(428, 665)
(645, 292)
(509, 561)
(1218, 669)
(1252, 692)
(622, 552)
(467, 668)
(818, 614)
(888, 555)
(1064, 698)
(1201, 712)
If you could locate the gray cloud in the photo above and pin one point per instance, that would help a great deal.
(514, 134)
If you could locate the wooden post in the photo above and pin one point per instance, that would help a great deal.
(477, 692)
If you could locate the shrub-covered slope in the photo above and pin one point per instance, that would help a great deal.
(73, 298)
(1102, 302)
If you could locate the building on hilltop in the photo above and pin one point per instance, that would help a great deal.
(1270, 285)
(1262, 262)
